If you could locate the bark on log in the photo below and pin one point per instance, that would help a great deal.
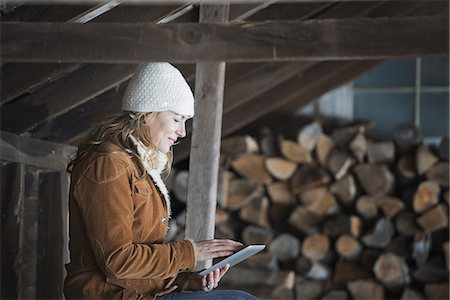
(319, 201)
(285, 247)
(257, 212)
(425, 159)
(381, 152)
(309, 135)
(407, 137)
(439, 174)
(433, 271)
(381, 236)
(316, 246)
(358, 146)
(348, 247)
(406, 169)
(446, 249)
(238, 145)
(345, 189)
(251, 166)
(308, 177)
(342, 224)
(375, 179)
(426, 196)
(434, 219)
(279, 192)
(339, 163)
(323, 149)
(391, 270)
(280, 168)
(346, 271)
(366, 289)
(421, 248)
(293, 151)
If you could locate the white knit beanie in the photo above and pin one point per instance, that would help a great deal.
(157, 87)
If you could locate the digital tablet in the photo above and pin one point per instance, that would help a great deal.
(235, 258)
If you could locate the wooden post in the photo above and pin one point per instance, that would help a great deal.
(206, 135)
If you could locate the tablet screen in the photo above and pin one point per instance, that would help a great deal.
(235, 258)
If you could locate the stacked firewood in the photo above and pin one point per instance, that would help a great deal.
(343, 217)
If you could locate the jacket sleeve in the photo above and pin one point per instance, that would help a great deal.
(105, 199)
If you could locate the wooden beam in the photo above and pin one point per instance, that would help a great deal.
(204, 161)
(246, 41)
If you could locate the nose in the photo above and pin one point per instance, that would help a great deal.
(181, 132)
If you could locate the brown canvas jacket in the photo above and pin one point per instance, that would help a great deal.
(117, 226)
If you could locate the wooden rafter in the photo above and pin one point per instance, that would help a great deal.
(378, 38)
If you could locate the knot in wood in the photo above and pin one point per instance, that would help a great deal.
(192, 36)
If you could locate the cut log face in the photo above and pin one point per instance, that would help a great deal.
(410, 294)
(348, 247)
(345, 189)
(381, 152)
(223, 188)
(323, 149)
(339, 163)
(256, 235)
(336, 295)
(304, 220)
(435, 219)
(295, 152)
(306, 289)
(343, 136)
(437, 291)
(280, 168)
(425, 159)
(308, 177)
(390, 206)
(358, 146)
(319, 201)
(367, 207)
(381, 236)
(406, 167)
(279, 192)
(426, 196)
(241, 193)
(391, 270)
(251, 166)
(439, 174)
(316, 246)
(309, 135)
(375, 179)
(285, 247)
(238, 145)
(257, 212)
(406, 224)
(407, 137)
(366, 289)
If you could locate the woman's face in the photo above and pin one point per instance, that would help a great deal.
(165, 128)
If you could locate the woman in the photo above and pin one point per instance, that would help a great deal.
(120, 207)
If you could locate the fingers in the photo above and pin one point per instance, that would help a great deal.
(216, 248)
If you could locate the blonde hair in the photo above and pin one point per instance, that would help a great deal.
(118, 128)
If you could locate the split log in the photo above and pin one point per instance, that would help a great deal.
(256, 235)
(303, 265)
(339, 163)
(180, 186)
(381, 152)
(435, 219)
(348, 247)
(257, 212)
(262, 260)
(407, 137)
(391, 270)
(425, 159)
(336, 295)
(390, 206)
(375, 179)
(316, 246)
(439, 174)
(345, 272)
(446, 248)
(223, 186)
(345, 189)
(268, 143)
(405, 223)
(304, 220)
(251, 166)
(285, 247)
(446, 197)
(437, 291)
(406, 169)
(307, 289)
(368, 258)
(433, 271)
(278, 216)
(410, 294)
(238, 145)
(342, 224)
(358, 146)
(443, 149)
(319, 201)
(227, 230)
(309, 135)
(221, 215)
(426, 196)
(280, 168)
(367, 207)
(381, 236)
(241, 276)
(323, 149)
(343, 136)
(282, 292)
(366, 289)
(241, 193)
(279, 192)
(308, 177)
(421, 248)
(294, 152)
(400, 245)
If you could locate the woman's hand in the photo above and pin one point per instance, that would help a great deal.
(206, 283)
(210, 249)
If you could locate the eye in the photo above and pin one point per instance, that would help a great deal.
(176, 120)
